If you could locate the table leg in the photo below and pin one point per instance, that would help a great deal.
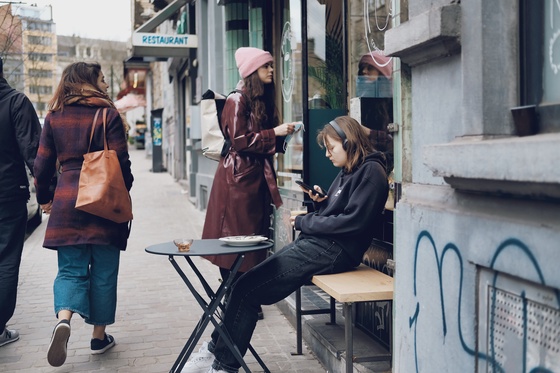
(210, 308)
(217, 295)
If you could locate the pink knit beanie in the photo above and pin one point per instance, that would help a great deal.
(249, 60)
(379, 61)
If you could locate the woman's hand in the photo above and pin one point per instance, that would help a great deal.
(314, 196)
(47, 207)
(285, 129)
(293, 220)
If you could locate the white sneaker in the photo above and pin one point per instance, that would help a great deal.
(212, 370)
(200, 361)
(204, 349)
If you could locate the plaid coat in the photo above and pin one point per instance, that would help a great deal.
(65, 138)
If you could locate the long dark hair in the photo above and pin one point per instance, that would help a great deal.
(358, 145)
(262, 101)
(74, 77)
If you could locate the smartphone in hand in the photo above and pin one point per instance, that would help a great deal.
(308, 188)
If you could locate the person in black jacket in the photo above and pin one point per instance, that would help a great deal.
(333, 239)
(19, 139)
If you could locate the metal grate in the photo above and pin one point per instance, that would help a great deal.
(522, 326)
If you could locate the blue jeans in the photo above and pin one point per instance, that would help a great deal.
(86, 282)
(269, 282)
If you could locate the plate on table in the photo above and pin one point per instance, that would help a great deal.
(243, 240)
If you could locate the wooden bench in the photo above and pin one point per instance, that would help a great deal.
(364, 284)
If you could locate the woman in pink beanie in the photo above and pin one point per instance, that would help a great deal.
(245, 182)
(374, 65)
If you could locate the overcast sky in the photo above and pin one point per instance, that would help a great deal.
(98, 19)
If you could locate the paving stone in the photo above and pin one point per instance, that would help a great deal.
(155, 313)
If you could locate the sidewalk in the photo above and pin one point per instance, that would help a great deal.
(155, 312)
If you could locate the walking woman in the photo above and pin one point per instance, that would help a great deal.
(245, 182)
(88, 246)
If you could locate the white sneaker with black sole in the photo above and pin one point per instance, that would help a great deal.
(56, 355)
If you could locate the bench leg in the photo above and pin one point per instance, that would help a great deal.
(298, 323)
(300, 313)
(333, 311)
(349, 336)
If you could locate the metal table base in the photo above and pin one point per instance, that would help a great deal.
(211, 308)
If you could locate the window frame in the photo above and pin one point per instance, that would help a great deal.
(531, 54)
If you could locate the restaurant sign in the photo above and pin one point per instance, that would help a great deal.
(146, 39)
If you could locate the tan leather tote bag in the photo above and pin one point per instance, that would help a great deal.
(102, 191)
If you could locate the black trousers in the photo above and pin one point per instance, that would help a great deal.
(13, 221)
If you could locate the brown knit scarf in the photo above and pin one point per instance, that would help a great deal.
(88, 96)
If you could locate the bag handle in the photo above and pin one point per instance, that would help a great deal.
(105, 146)
(104, 130)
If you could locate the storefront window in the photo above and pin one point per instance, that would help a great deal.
(370, 92)
(290, 164)
(326, 82)
(369, 70)
(325, 36)
(540, 61)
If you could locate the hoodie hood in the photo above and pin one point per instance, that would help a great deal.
(376, 156)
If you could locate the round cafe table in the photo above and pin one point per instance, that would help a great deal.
(213, 299)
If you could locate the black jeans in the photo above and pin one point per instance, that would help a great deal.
(269, 282)
(13, 220)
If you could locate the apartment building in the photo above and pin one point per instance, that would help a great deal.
(108, 53)
(38, 46)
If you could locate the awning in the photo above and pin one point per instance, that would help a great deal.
(129, 102)
(146, 43)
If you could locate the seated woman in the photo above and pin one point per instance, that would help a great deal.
(333, 239)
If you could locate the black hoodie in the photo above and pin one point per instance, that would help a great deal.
(353, 207)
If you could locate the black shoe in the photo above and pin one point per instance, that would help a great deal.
(99, 346)
(260, 314)
(56, 355)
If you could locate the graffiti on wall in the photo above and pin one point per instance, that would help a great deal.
(510, 248)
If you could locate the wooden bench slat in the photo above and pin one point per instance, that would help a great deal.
(364, 284)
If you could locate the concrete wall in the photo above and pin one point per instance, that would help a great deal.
(478, 225)
(439, 112)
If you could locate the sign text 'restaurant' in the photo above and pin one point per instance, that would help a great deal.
(161, 40)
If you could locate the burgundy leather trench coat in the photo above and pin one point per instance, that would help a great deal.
(245, 182)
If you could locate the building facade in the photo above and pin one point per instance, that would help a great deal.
(317, 49)
(35, 55)
(474, 217)
(30, 46)
(109, 54)
(11, 47)
(478, 225)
